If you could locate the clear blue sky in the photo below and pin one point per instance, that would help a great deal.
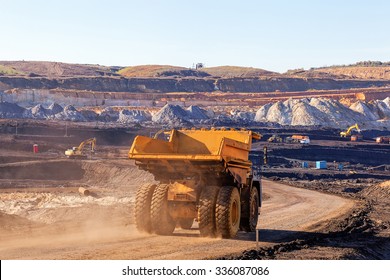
(273, 35)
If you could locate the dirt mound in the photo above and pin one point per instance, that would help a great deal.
(133, 116)
(321, 111)
(382, 108)
(39, 112)
(305, 114)
(11, 222)
(242, 117)
(115, 175)
(55, 108)
(109, 114)
(261, 114)
(196, 113)
(175, 115)
(70, 113)
(171, 115)
(364, 110)
(380, 191)
(11, 110)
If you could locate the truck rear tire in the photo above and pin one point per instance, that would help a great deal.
(250, 224)
(162, 223)
(143, 201)
(228, 212)
(206, 210)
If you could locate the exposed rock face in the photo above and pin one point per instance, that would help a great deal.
(193, 84)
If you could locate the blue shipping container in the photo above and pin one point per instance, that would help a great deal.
(321, 164)
(305, 164)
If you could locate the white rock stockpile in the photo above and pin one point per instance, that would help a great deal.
(175, 115)
(323, 112)
(109, 114)
(293, 112)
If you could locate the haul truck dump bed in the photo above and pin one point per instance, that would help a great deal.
(204, 175)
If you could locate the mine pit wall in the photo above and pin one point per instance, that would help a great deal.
(31, 97)
(156, 92)
(164, 85)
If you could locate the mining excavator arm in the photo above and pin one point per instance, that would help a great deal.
(349, 130)
(78, 152)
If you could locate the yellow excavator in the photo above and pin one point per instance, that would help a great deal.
(349, 130)
(78, 152)
(275, 139)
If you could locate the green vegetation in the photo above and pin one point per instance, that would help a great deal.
(371, 63)
(367, 63)
(236, 71)
(5, 70)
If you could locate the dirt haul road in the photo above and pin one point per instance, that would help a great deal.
(286, 214)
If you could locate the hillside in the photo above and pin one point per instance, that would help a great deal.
(38, 75)
(153, 71)
(54, 69)
(238, 72)
(366, 70)
(359, 72)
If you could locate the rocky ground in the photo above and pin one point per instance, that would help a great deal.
(35, 192)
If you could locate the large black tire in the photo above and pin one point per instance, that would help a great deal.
(228, 212)
(249, 224)
(206, 211)
(143, 201)
(186, 223)
(162, 223)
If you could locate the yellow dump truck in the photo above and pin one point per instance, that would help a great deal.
(203, 175)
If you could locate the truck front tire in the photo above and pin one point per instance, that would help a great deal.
(250, 224)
